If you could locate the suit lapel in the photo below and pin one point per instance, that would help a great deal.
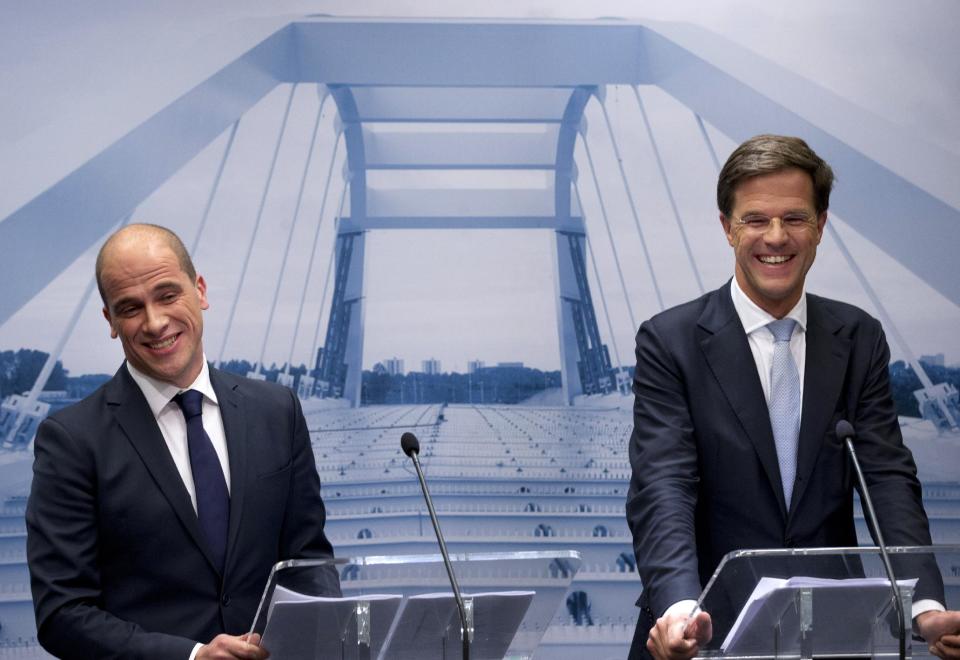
(138, 424)
(824, 372)
(235, 429)
(727, 351)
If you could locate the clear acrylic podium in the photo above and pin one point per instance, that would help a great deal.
(401, 607)
(822, 602)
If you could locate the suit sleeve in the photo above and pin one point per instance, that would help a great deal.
(302, 534)
(889, 468)
(662, 497)
(62, 522)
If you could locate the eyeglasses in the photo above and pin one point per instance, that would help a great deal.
(791, 222)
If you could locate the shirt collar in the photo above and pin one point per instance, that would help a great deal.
(158, 393)
(753, 317)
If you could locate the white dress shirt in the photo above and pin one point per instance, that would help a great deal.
(173, 426)
(760, 337)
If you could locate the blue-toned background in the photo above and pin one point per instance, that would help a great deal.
(462, 154)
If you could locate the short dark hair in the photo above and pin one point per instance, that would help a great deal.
(169, 237)
(765, 154)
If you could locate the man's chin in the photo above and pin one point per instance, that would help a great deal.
(775, 300)
(165, 370)
(776, 289)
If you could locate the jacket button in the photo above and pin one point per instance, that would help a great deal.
(225, 600)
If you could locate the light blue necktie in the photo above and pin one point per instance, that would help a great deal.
(784, 403)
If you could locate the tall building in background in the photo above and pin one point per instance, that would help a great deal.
(431, 367)
(473, 366)
(394, 366)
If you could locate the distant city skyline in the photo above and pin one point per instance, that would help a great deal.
(393, 365)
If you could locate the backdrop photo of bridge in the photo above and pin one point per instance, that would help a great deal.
(500, 202)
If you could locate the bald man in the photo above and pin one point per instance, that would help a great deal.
(161, 501)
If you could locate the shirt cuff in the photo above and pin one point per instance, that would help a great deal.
(681, 607)
(196, 649)
(926, 605)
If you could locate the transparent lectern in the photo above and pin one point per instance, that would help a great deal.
(823, 602)
(401, 607)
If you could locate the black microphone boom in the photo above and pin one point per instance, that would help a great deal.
(411, 447)
(846, 434)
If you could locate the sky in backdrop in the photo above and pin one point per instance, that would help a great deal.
(72, 70)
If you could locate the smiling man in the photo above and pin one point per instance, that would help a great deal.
(160, 502)
(724, 455)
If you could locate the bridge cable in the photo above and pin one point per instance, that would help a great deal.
(606, 222)
(669, 190)
(256, 227)
(313, 250)
(214, 188)
(258, 367)
(706, 138)
(633, 207)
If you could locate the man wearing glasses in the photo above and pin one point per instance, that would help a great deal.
(724, 455)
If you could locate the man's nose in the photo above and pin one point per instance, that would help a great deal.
(777, 232)
(156, 319)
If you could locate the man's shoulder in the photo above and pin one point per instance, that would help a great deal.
(836, 306)
(251, 388)
(686, 314)
(87, 408)
(848, 315)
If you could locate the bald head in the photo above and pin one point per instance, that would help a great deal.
(142, 235)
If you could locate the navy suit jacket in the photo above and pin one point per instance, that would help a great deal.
(118, 564)
(705, 478)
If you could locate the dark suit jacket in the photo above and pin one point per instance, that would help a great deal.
(705, 479)
(118, 565)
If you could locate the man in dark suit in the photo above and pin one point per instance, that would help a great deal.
(724, 456)
(161, 501)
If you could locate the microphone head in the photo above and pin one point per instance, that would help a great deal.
(409, 444)
(845, 430)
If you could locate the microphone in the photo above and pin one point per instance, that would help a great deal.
(411, 447)
(846, 434)
(409, 444)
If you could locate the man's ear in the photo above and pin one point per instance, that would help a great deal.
(106, 315)
(727, 228)
(202, 292)
(821, 223)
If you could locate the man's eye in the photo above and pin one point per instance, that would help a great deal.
(796, 219)
(756, 221)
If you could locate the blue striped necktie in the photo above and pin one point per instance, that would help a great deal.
(213, 499)
(784, 404)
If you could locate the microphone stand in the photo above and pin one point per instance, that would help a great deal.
(847, 434)
(412, 450)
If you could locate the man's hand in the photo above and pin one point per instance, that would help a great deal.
(942, 632)
(678, 637)
(224, 647)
